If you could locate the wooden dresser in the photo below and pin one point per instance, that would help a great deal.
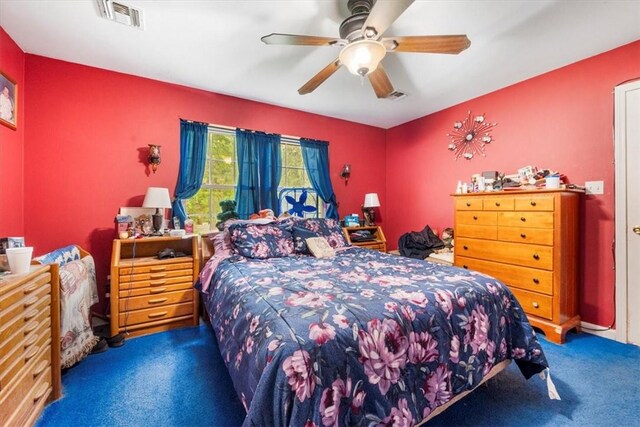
(29, 344)
(528, 240)
(150, 294)
(378, 243)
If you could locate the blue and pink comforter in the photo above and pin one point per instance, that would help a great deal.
(361, 338)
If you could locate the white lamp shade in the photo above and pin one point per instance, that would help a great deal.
(371, 200)
(362, 57)
(157, 197)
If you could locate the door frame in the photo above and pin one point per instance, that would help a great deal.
(621, 225)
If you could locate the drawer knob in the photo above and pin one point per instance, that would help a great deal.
(523, 219)
(465, 266)
(524, 236)
(31, 326)
(40, 368)
(498, 204)
(30, 315)
(475, 217)
(465, 247)
(535, 305)
(157, 290)
(30, 341)
(30, 288)
(536, 257)
(32, 352)
(157, 300)
(40, 392)
(536, 281)
(155, 315)
(533, 203)
(30, 301)
(155, 269)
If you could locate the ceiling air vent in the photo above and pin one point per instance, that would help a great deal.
(396, 95)
(120, 12)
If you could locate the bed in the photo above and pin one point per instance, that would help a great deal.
(358, 338)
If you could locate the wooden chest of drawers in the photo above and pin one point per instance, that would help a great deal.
(29, 344)
(528, 240)
(150, 294)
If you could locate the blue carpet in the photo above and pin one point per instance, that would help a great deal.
(178, 378)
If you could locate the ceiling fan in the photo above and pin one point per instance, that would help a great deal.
(363, 46)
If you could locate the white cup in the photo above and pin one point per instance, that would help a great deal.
(552, 182)
(19, 259)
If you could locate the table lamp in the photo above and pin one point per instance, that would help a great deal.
(370, 201)
(158, 198)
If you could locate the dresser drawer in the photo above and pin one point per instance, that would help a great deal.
(12, 363)
(536, 256)
(159, 267)
(498, 204)
(534, 203)
(374, 246)
(24, 314)
(526, 278)
(156, 290)
(525, 219)
(41, 284)
(155, 314)
(126, 278)
(23, 307)
(478, 231)
(30, 390)
(149, 301)
(477, 218)
(535, 304)
(156, 283)
(537, 236)
(469, 204)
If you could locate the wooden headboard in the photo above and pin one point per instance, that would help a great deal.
(206, 248)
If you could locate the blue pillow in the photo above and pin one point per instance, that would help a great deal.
(262, 240)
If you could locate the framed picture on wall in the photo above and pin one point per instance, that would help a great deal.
(8, 101)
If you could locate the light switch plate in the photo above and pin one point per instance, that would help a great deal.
(594, 187)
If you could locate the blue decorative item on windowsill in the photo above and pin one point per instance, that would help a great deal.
(298, 206)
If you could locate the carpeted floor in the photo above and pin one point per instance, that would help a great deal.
(178, 378)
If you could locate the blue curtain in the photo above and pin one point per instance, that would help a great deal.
(193, 155)
(259, 172)
(316, 160)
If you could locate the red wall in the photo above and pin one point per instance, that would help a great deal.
(560, 120)
(87, 127)
(12, 63)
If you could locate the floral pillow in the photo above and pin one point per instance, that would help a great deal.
(318, 227)
(262, 240)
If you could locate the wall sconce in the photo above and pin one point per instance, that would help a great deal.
(346, 173)
(154, 156)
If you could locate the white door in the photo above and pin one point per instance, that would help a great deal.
(627, 125)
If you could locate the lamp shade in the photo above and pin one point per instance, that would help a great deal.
(371, 200)
(157, 197)
(362, 57)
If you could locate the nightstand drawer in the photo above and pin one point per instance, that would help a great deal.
(526, 219)
(469, 204)
(498, 204)
(149, 301)
(155, 314)
(477, 218)
(527, 278)
(535, 203)
(374, 246)
(37, 286)
(159, 267)
(477, 231)
(535, 304)
(538, 236)
(156, 290)
(125, 278)
(536, 256)
(156, 283)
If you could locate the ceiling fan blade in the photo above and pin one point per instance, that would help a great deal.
(319, 78)
(294, 39)
(428, 44)
(380, 81)
(383, 14)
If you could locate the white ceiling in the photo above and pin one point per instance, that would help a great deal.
(215, 45)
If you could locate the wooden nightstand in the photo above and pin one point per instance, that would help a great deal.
(379, 243)
(150, 294)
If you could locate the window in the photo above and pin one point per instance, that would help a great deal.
(221, 175)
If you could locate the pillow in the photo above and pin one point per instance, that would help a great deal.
(261, 240)
(221, 242)
(318, 227)
(319, 247)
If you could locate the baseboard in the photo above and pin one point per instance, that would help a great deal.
(597, 330)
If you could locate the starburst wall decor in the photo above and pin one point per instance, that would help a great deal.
(470, 136)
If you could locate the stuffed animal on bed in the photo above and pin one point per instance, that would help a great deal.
(264, 213)
(228, 212)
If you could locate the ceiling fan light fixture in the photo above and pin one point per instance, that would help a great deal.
(362, 57)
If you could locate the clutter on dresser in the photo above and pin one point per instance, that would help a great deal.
(526, 178)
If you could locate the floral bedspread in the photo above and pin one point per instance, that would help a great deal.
(363, 338)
